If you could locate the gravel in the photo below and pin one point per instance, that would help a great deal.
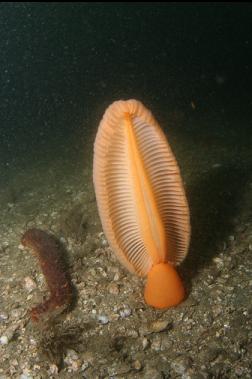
(110, 332)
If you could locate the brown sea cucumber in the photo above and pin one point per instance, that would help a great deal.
(48, 250)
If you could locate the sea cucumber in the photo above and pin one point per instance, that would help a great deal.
(49, 252)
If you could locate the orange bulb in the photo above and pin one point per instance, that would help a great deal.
(164, 288)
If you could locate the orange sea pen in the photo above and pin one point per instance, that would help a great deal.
(141, 199)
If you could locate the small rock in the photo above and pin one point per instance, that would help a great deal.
(103, 319)
(216, 165)
(159, 326)
(217, 310)
(191, 301)
(14, 362)
(156, 343)
(218, 261)
(113, 289)
(16, 313)
(116, 276)
(144, 330)
(212, 352)
(3, 316)
(63, 241)
(114, 317)
(84, 366)
(118, 369)
(180, 365)
(152, 373)
(102, 240)
(126, 312)
(25, 376)
(72, 360)
(131, 333)
(4, 340)
(145, 343)
(89, 358)
(75, 365)
(166, 342)
(30, 284)
(137, 365)
(9, 333)
(155, 327)
(53, 369)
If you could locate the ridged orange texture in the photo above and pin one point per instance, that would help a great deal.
(139, 191)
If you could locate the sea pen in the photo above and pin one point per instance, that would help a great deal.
(141, 199)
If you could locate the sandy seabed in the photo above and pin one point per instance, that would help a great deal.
(110, 332)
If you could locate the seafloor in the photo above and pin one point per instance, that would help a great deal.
(110, 332)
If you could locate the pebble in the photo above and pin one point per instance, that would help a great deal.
(75, 365)
(53, 369)
(5, 244)
(113, 288)
(3, 316)
(156, 343)
(216, 165)
(145, 343)
(217, 310)
(211, 353)
(103, 319)
(159, 326)
(218, 261)
(103, 240)
(84, 366)
(63, 240)
(30, 284)
(155, 327)
(126, 312)
(116, 276)
(118, 369)
(152, 373)
(16, 313)
(166, 342)
(4, 340)
(9, 333)
(131, 333)
(114, 317)
(180, 365)
(137, 365)
(72, 360)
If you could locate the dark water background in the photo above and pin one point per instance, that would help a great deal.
(62, 64)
